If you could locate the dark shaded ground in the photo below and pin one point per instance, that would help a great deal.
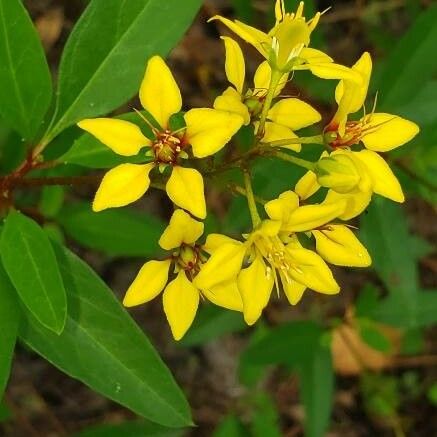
(47, 403)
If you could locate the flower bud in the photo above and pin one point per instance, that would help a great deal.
(338, 172)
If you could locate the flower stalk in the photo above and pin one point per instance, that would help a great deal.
(251, 202)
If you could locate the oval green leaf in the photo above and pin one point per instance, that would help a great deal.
(31, 265)
(104, 348)
(26, 85)
(116, 232)
(9, 318)
(104, 58)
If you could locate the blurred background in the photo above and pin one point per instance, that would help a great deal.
(377, 373)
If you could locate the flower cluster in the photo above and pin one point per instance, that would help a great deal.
(289, 249)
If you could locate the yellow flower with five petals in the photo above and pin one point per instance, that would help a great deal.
(379, 132)
(354, 177)
(271, 255)
(206, 131)
(181, 295)
(283, 118)
(285, 46)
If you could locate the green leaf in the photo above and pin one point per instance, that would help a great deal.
(230, 426)
(316, 377)
(88, 151)
(411, 59)
(52, 198)
(373, 336)
(249, 373)
(103, 347)
(104, 58)
(265, 422)
(212, 322)
(5, 412)
(117, 232)
(31, 265)
(289, 343)
(425, 311)
(26, 87)
(130, 429)
(385, 233)
(9, 318)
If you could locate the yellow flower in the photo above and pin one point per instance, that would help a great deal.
(181, 296)
(379, 132)
(285, 45)
(354, 177)
(206, 132)
(283, 118)
(335, 242)
(271, 254)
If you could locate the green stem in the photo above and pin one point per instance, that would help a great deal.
(316, 139)
(298, 161)
(256, 220)
(240, 190)
(274, 82)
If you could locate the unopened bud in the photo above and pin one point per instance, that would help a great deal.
(338, 172)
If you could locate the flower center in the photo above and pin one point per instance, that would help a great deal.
(189, 259)
(167, 147)
(353, 134)
(289, 38)
(277, 256)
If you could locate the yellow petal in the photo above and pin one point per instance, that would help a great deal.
(251, 35)
(384, 181)
(279, 10)
(351, 95)
(281, 208)
(223, 266)
(314, 56)
(122, 185)
(307, 185)
(255, 285)
(121, 136)
(356, 202)
(276, 132)
(230, 101)
(293, 113)
(235, 66)
(386, 132)
(209, 130)
(330, 70)
(338, 245)
(180, 300)
(308, 217)
(181, 229)
(159, 92)
(262, 78)
(185, 189)
(310, 270)
(215, 241)
(150, 281)
(293, 290)
(225, 295)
